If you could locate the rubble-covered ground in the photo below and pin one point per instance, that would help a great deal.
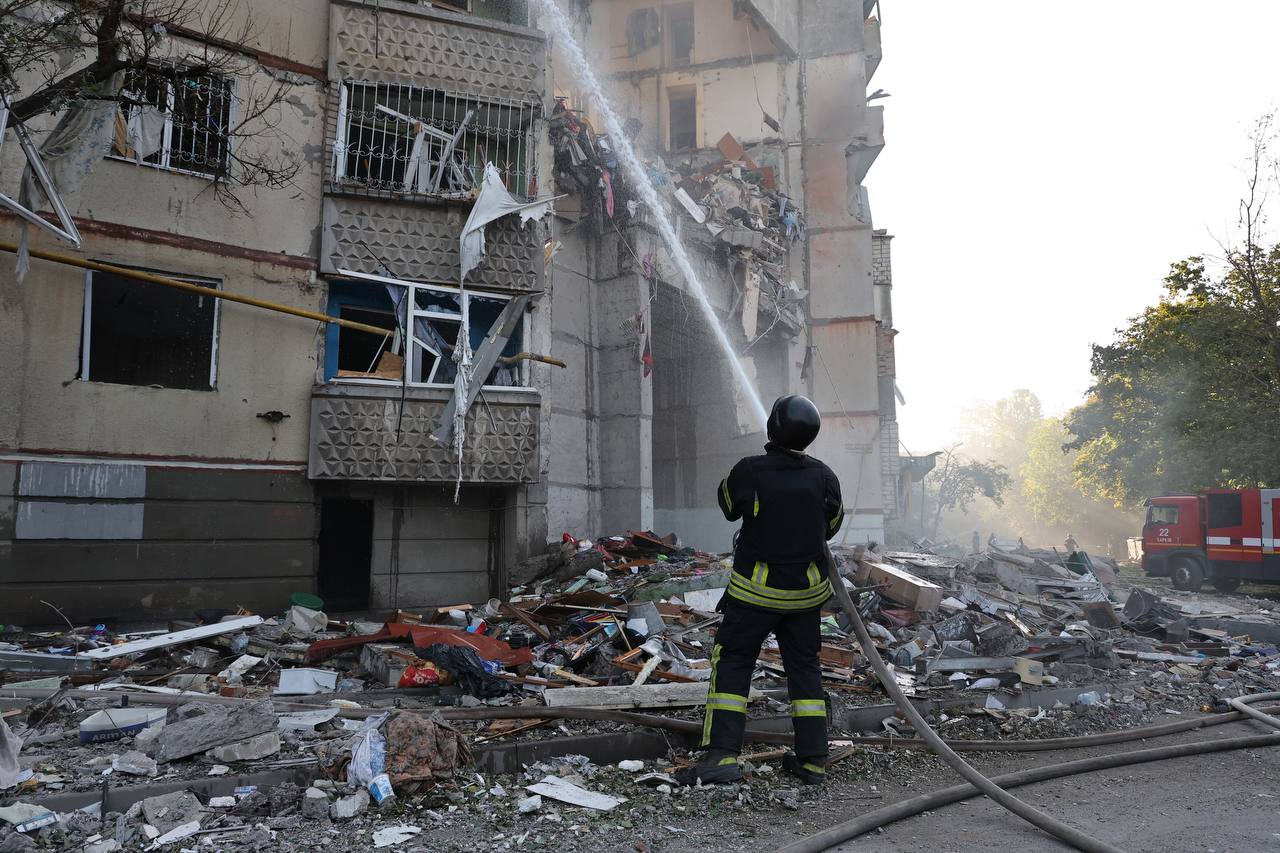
(1000, 646)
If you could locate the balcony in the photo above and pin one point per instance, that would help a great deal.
(871, 46)
(862, 152)
(353, 435)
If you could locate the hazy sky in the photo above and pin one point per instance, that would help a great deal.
(1045, 163)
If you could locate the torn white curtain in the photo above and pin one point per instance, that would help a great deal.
(461, 391)
(146, 131)
(70, 151)
(494, 202)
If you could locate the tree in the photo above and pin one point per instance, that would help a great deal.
(999, 430)
(962, 481)
(1186, 397)
(58, 56)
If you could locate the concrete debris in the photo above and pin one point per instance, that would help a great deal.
(169, 811)
(213, 726)
(178, 833)
(258, 746)
(134, 763)
(1033, 646)
(315, 804)
(350, 807)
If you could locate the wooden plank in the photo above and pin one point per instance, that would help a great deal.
(630, 696)
(528, 621)
(900, 585)
(175, 638)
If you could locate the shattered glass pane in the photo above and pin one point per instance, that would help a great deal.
(438, 302)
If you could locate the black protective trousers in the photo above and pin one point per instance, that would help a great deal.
(733, 658)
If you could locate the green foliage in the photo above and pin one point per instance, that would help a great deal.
(1043, 500)
(1187, 396)
(960, 482)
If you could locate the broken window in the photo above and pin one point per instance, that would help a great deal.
(643, 31)
(139, 333)
(682, 117)
(436, 315)
(1162, 515)
(175, 121)
(680, 31)
(507, 11)
(412, 140)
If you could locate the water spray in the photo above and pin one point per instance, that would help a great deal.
(563, 30)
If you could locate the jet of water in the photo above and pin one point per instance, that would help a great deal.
(621, 143)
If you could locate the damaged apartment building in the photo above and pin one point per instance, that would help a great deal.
(754, 123)
(163, 451)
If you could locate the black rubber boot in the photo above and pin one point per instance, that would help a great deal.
(808, 772)
(716, 767)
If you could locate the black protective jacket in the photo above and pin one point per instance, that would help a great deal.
(790, 505)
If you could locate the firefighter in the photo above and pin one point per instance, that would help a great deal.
(790, 505)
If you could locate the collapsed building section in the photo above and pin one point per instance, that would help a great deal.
(754, 124)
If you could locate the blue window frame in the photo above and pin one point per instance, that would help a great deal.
(436, 316)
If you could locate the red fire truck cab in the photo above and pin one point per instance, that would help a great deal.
(1223, 536)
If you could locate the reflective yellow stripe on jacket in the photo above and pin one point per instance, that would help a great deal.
(756, 590)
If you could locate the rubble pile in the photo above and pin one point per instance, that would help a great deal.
(236, 726)
(726, 201)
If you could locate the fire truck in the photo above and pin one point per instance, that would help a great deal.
(1223, 536)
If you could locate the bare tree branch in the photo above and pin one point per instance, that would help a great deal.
(54, 53)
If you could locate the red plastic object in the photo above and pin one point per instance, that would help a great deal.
(486, 647)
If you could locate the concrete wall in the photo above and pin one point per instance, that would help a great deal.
(105, 540)
(571, 440)
(840, 138)
(427, 551)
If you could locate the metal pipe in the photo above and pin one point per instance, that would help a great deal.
(1053, 826)
(71, 260)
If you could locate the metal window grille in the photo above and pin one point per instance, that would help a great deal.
(196, 113)
(416, 141)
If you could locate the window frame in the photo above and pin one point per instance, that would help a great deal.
(671, 17)
(86, 330)
(167, 137)
(1151, 511)
(527, 173)
(680, 92)
(414, 342)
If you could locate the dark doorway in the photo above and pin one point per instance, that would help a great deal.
(346, 553)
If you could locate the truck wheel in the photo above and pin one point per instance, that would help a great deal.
(1226, 583)
(1187, 575)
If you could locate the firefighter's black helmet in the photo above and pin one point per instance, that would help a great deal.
(794, 422)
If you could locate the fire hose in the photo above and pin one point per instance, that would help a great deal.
(842, 832)
(1242, 703)
(1027, 812)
